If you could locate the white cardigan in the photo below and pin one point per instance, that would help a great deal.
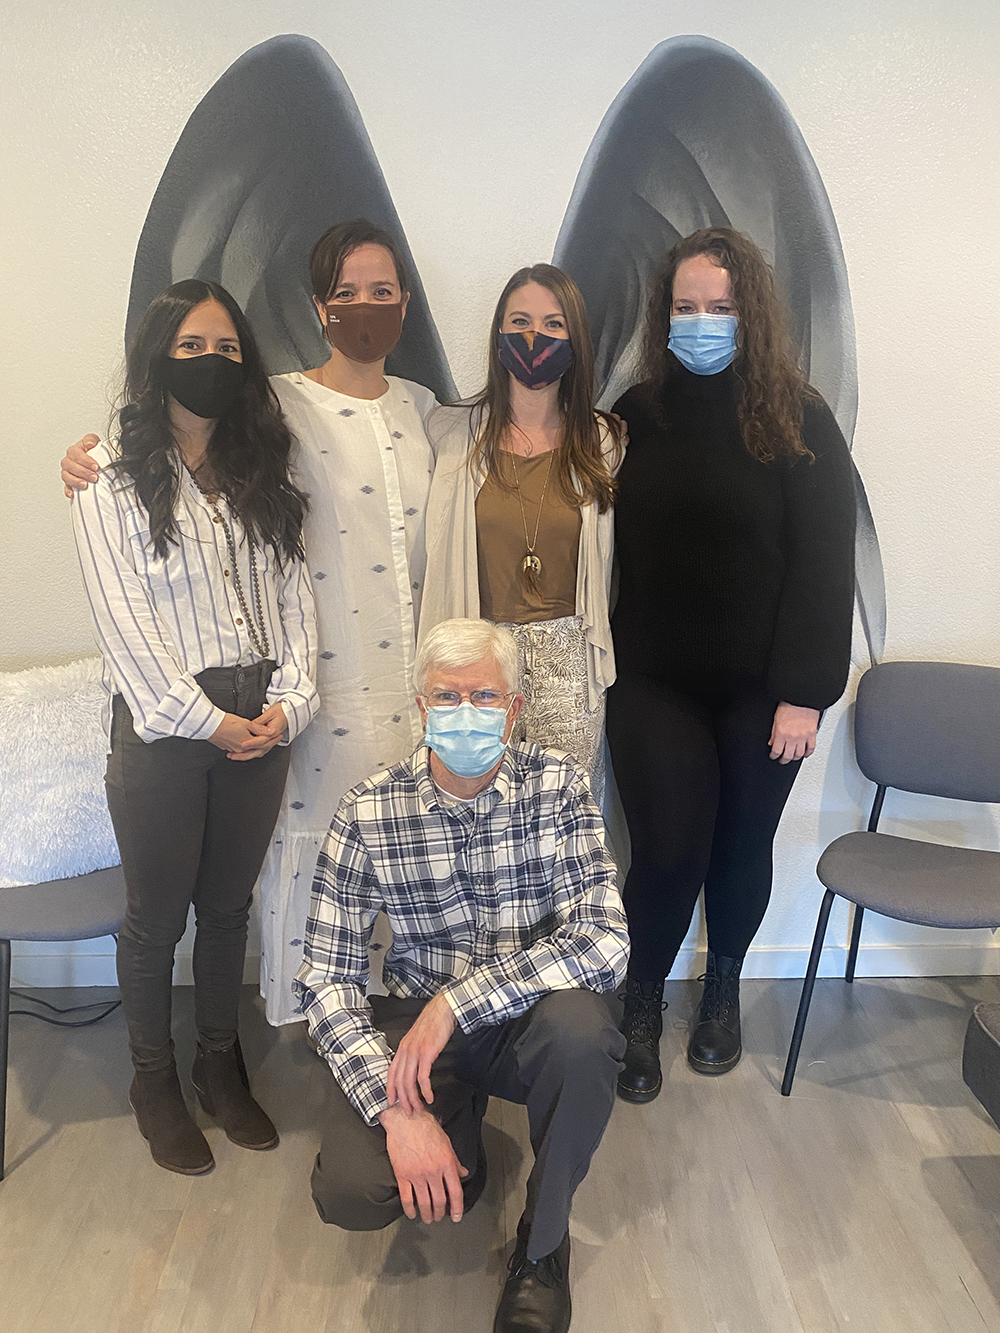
(451, 586)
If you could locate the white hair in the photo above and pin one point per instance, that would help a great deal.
(460, 643)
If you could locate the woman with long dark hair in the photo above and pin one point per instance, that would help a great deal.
(519, 520)
(735, 539)
(191, 549)
(361, 453)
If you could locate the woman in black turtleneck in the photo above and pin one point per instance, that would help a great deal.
(734, 531)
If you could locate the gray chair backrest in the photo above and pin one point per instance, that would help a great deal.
(931, 727)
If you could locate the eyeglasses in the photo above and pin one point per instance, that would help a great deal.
(478, 698)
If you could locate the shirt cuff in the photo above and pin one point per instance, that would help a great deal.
(470, 1004)
(300, 705)
(365, 1091)
(185, 711)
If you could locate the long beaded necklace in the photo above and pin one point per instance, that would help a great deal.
(256, 629)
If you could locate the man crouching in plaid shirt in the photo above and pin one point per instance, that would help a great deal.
(489, 859)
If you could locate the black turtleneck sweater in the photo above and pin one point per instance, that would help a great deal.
(727, 566)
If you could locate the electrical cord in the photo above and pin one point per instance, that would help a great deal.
(108, 1007)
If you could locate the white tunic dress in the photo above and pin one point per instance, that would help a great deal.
(366, 467)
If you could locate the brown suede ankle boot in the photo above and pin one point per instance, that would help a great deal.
(220, 1080)
(175, 1141)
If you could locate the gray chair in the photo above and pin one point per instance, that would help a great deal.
(933, 728)
(981, 1058)
(84, 907)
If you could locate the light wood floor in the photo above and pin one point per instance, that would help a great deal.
(869, 1201)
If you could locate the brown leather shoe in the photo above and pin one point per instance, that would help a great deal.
(175, 1141)
(220, 1080)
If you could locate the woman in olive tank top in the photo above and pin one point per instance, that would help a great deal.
(519, 518)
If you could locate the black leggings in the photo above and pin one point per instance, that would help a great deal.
(702, 800)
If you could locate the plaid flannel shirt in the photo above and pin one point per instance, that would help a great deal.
(495, 903)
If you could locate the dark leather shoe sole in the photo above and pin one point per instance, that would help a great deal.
(639, 1095)
(253, 1147)
(714, 1066)
(172, 1166)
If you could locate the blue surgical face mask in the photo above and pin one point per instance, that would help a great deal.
(705, 344)
(468, 740)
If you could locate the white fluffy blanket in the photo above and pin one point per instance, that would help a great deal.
(54, 819)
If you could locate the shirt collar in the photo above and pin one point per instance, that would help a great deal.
(497, 793)
(324, 394)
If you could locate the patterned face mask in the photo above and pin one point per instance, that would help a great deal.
(534, 358)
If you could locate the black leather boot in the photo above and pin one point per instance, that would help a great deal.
(641, 1079)
(716, 1046)
(220, 1080)
(175, 1141)
(536, 1296)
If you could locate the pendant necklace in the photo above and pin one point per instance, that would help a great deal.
(531, 564)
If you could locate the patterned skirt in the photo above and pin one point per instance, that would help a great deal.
(552, 658)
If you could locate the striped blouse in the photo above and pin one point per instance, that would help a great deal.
(160, 621)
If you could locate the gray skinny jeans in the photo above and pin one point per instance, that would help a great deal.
(193, 826)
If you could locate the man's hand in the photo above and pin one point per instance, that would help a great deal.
(78, 468)
(793, 735)
(428, 1173)
(266, 730)
(410, 1071)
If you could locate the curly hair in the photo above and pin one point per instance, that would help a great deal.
(773, 386)
(581, 457)
(248, 450)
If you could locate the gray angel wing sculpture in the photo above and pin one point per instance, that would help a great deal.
(699, 138)
(276, 152)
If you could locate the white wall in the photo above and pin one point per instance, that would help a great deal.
(481, 116)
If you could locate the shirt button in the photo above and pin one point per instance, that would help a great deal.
(239, 621)
(226, 572)
(217, 519)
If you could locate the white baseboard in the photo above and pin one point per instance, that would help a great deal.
(32, 970)
(874, 960)
(763, 962)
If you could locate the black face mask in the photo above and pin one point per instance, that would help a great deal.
(206, 385)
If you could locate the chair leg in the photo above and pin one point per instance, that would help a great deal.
(4, 1029)
(807, 989)
(852, 953)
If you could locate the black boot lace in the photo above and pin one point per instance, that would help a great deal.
(720, 999)
(642, 1018)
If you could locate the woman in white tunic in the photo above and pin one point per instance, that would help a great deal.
(364, 461)
(520, 520)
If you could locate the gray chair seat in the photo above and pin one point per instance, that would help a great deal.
(84, 907)
(921, 882)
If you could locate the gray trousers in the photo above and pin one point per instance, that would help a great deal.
(192, 826)
(560, 1059)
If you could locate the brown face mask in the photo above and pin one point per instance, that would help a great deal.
(364, 330)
